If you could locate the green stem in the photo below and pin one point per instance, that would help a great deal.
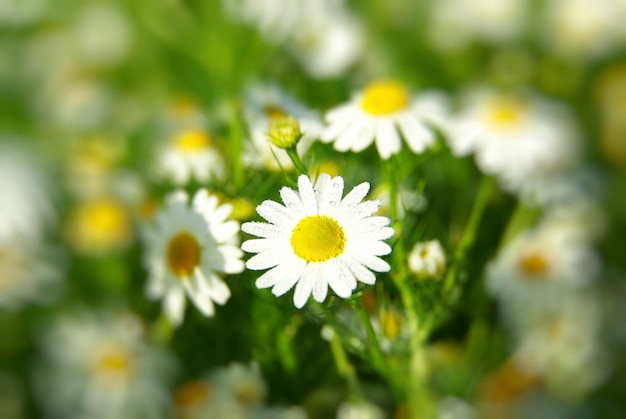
(297, 161)
(420, 405)
(521, 218)
(485, 190)
(344, 367)
(236, 137)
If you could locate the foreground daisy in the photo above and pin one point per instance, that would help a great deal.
(187, 248)
(382, 112)
(317, 240)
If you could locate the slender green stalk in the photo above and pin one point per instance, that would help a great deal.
(297, 161)
(485, 190)
(162, 330)
(520, 220)
(344, 367)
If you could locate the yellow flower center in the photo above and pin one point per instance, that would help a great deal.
(192, 394)
(113, 362)
(384, 98)
(318, 238)
(274, 112)
(183, 254)
(533, 264)
(192, 141)
(506, 113)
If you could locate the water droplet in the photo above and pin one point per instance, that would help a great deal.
(336, 185)
(332, 203)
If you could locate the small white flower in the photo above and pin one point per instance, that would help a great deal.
(362, 410)
(583, 28)
(562, 342)
(190, 156)
(540, 264)
(187, 250)
(317, 240)
(99, 365)
(453, 24)
(382, 113)
(262, 105)
(427, 259)
(521, 138)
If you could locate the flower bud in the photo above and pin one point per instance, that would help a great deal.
(284, 132)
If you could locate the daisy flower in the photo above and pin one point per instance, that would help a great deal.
(381, 113)
(427, 259)
(542, 263)
(190, 155)
(317, 240)
(187, 250)
(98, 364)
(265, 103)
(523, 139)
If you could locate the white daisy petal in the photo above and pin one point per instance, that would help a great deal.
(201, 300)
(417, 136)
(273, 212)
(292, 200)
(372, 247)
(349, 136)
(307, 195)
(320, 284)
(387, 139)
(279, 273)
(264, 260)
(174, 305)
(268, 231)
(334, 130)
(257, 245)
(304, 287)
(217, 289)
(360, 272)
(341, 282)
(290, 279)
(356, 195)
(372, 262)
(329, 194)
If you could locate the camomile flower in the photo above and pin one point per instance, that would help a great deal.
(427, 259)
(318, 239)
(98, 364)
(188, 249)
(383, 112)
(190, 155)
(540, 264)
(523, 139)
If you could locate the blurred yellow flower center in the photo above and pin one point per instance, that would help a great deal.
(318, 238)
(192, 393)
(506, 113)
(274, 112)
(192, 141)
(183, 254)
(384, 98)
(533, 264)
(113, 362)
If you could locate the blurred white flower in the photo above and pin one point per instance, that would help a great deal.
(525, 140)
(383, 112)
(540, 264)
(583, 28)
(453, 24)
(26, 204)
(562, 343)
(318, 239)
(102, 34)
(362, 410)
(97, 364)
(262, 104)
(188, 248)
(323, 35)
(190, 155)
(427, 259)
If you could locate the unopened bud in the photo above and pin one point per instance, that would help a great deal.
(284, 132)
